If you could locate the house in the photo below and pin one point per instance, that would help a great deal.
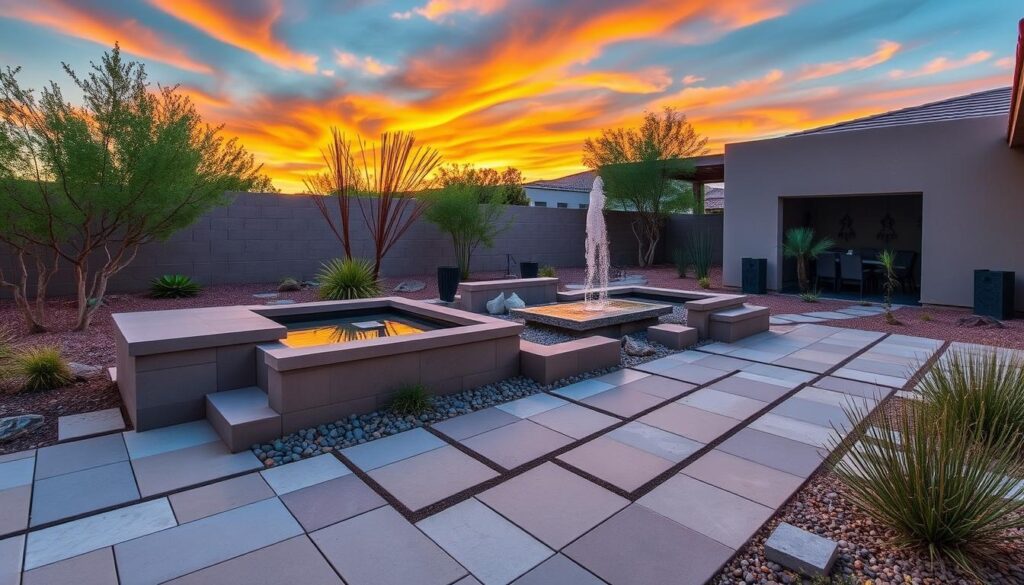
(573, 191)
(944, 180)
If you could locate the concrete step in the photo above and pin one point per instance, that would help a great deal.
(731, 325)
(112, 372)
(243, 417)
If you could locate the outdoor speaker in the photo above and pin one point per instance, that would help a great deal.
(993, 293)
(755, 276)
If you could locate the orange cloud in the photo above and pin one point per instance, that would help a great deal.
(366, 64)
(439, 9)
(250, 32)
(691, 79)
(650, 80)
(1005, 63)
(104, 28)
(884, 52)
(941, 65)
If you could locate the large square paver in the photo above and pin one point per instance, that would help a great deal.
(797, 430)
(430, 477)
(94, 568)
(753, 481)
(587, 388)
(219, 497)
(623, 376)
(172, 470)
(167, 439)
(693, 373)
(293, 561)
(204, 543)
(11, 552)
(301, 474)
(556, 506)
(723, 403)
(16, 472)
(574, 420)
(74, 426)
(531, 405)
(381, 452)
(332, 501)
(472, 424)
(516, 444)
(14, 507)
(616, 463)
(659, 386)
(85, 454)
(709, 510)
(382, 548)
(742, 385)
(854, 388)
(559, 570)
(655, 441)
(812, 411)
(687, 421)
(493, 549)
(640, 547)
(799, 459)
(623, 402)
(81, 492)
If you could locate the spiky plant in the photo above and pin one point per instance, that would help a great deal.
(40, 368)
(347, 279)
(800, 244)
(547, 272)
(412, 400)
(173, 286)
(889, 283)
(700, 254)
(704, 282)
(810, 296)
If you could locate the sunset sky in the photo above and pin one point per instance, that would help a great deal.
(522, 82)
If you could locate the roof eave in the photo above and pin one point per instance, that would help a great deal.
(1015, 135)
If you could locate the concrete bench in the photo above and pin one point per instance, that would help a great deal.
(734, 324)
(698, 312)
(548, 363)
(242, 417)
(672, 336)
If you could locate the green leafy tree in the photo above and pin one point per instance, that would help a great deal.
(456, 210)
(507, 184)
(130, 165)
(799, 244)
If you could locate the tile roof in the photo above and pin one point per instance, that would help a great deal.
(992, 102)
(581, 182)
(714, 198)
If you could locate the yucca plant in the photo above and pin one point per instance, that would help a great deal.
(173, 286)
(810, 296)
(700, 254)
(938, 487)
(347, 279)
(889, 283)
(412, 399)
(40, 368)
(799, 244)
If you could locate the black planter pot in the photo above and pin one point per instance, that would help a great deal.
(447, 282)
(528, 269)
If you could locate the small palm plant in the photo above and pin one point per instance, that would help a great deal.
(799, 244)
(347, 279)
(891, 281)
(173, 286)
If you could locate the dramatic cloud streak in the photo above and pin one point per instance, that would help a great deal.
(886, 50)
(942, 65)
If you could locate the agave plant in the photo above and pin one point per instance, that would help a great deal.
(347, 279)
(799, 243)
(173, 286)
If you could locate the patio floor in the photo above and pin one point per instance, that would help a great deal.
(648, 475)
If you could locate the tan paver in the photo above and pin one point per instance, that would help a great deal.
(293, 561)
(430, 477)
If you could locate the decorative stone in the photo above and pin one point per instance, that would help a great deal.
(980, 321)
(410, 286)
(635, 348)
(801, 551)
(289, 285)
(84, 371)
(496, 306)
(281, 302)
(12, 427)
(265, 295)
(514, 302)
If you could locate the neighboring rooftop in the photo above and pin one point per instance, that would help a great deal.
(992, 102)
(581, 182)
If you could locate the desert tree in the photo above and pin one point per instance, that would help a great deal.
(507, 184)
(457, 211)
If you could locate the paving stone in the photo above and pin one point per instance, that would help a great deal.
(531, 405)
(380, 452)
(513, 445)
(332, 501)
(709, 510)
(723, 403)
(837, 399)
(817, 413)
(773, 320)
(16, 473)
(798, 430)
(854, 388)
(574, 420)
(753, 481)
(558, 570)
(829, 315)
(493, 549)
(624, 403)
(430, 477)
(72, 494)
(17, 456)
(659, 386)
(800, 318)
(692, 373)
(722, 362)
(658, 366)
(556, 506)
(468, 425)
(94, 568)
(14, 507)
(687, 421)
(742, 385)
(170, 471)
(640, 547)
(78, 455)
(870, 377)
(468, 580)
(382, 548)
(622, 376)
(794, 457)
(896, 370)
(300, 474)
(292, 561)
(71, 539)
(655, 441)
(11, 551)
(204, 543)
(586, 388)
(166, 439)
(785, 376)
(801, 551)
(219, 497)
(803, 364)
(74, 426)
(621, 465)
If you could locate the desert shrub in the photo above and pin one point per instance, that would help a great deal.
(927, 317)
(704, 282)
(412, 400)
(939, 488)
(347, 279)
(39, 368)
(682, 261)
(547, 272)
(700, 253)
(289, 284)
(173, 286)
(810, 296)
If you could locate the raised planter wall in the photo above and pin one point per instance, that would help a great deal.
(534, 291)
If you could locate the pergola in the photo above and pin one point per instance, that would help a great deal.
(698, 170)
(1015, 135)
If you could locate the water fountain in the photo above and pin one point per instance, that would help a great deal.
(595, 292)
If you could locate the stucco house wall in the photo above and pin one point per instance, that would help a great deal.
(552, 197)
(971, 182)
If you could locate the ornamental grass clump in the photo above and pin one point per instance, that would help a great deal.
(412, 400)
(39, 368)
(940, 488)
(347, 279)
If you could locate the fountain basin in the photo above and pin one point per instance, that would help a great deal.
(618, 318)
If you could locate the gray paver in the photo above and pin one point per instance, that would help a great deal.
(204, 543)
(825, 415)
(692, 373)
(14, 507)
(301, 474)
(17, 456)
(11, 550)
(619, 464)
(622, 402)
(640, 547)
(94, 568)
(382, 548)
(622, 376)
(561, 570)
(757, 389)
(554, 505)
(430, 477)
(798, 430)
(801, 550)
(70, 457)
(777, 452)
(574, 420)
(330, 502)
(687, 421)
(513, 445)
(723, 403)
(586, 388)
(655, 441)
(293, 561)
(709, 510)
(753, 481)
(172, 470)
(531, 405)
(381, 452)
(166, 439)
(16, 473)
(89, 490)
(722, 362)
(493, 549)
(73, 426)
(219, 497)
(854, 388)
(666, 388)
(474, 423)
